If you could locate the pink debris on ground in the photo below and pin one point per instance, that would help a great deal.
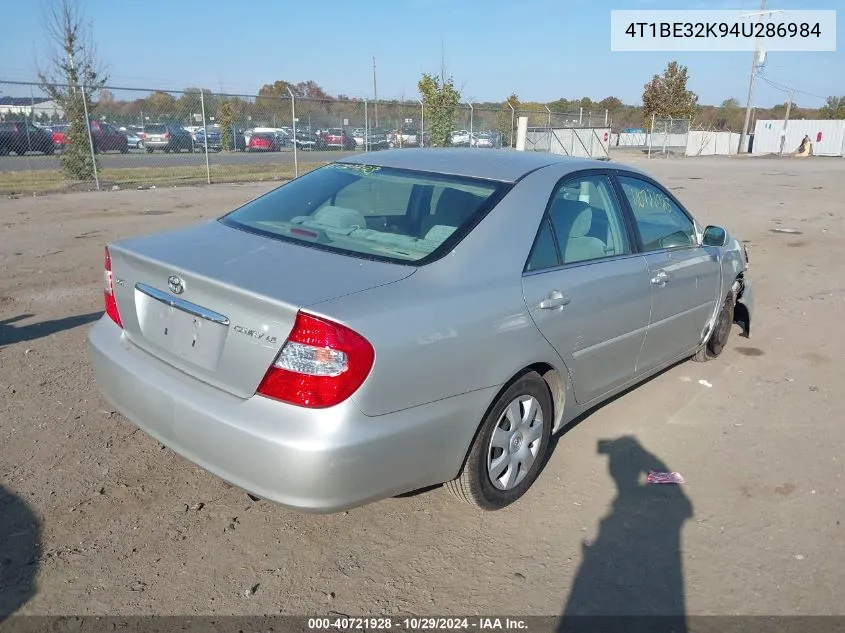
(655, 477)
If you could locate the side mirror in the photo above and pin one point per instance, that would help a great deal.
(714, 236)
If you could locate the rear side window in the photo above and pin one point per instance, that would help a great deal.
(369, 211)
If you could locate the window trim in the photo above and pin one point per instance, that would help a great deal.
(633, 237)
(621, 173)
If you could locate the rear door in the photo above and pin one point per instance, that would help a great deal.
(585, 286)
(685, 277)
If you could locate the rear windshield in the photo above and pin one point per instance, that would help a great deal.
(155, 129)
(373, 212)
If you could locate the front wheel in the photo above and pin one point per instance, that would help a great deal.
(510, 447)
(718, 339)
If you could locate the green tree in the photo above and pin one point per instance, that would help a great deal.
(227, 111)
(730, 103)
(668, 97)
(834, 108)
(160, 106)
(72, 78)
(441, 101)
(506, 118)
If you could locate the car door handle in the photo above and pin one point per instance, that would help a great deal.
(660, 278)
(556, 299)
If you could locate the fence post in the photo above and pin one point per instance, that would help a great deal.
(90, 138)
(366, 128)
(293, 122)
(651, 135)
(668, 127)
(205, 137)
(513, 113)
(422, 123)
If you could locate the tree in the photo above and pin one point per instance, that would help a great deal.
(441, 101)
(668, 97)
(834, 108)
(72, 78)
(160, 105)
(611, 104)
(506, 118)
(730, 103)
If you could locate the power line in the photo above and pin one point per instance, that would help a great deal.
(784, 88)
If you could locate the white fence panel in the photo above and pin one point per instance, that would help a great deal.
(828, 137)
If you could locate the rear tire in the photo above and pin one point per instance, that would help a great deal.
(510, 447)
(718, 339)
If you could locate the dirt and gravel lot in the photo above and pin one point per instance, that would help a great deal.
(98, 518)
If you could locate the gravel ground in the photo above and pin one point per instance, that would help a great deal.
(98, 518)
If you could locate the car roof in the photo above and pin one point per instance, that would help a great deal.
(502, 165)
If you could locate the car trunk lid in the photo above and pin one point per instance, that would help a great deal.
(218, 303)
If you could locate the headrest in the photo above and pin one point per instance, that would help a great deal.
(454, 206)
(340, 218)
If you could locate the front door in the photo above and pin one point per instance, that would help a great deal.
(585, 288)
(685, 277)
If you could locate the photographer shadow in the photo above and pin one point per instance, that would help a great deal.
(634, 567)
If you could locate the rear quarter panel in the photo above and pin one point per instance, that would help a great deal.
(459, 324)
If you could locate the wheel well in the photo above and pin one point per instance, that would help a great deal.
(557, 389)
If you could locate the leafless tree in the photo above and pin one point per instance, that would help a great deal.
(72, 78)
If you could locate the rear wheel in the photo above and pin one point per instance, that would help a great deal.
(718, 339)
(510, 447)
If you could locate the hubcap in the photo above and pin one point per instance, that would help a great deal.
(515, 442)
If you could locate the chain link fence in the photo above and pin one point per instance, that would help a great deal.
(140, 138)
(668, 137)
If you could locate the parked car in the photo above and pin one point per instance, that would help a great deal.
(60, 138)
(21, 137)
(376, 139)
(337, 138)
(445, 341)
(482, 141)
(134, 140)
(167, 137)
(305, 139)
(460, 138)
(215, 142)
(107, 138)
(262, 142)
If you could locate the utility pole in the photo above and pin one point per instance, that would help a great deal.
(375, 90)
(786, 120)
(754, 62)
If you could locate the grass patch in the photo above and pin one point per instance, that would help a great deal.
(49, 181)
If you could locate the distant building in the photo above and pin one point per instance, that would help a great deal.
(29, 106)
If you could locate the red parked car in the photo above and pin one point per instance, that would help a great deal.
(59, 136)
(262, 142)
(337, 138)
(106, 137)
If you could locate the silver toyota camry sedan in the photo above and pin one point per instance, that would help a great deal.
(401, 319)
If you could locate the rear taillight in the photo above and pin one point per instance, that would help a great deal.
(108, 291)
(167, 136)
(321, 364)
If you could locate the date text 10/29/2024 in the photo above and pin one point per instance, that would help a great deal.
(477, 623)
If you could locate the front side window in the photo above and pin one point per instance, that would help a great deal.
(660, 222)
(370, 211)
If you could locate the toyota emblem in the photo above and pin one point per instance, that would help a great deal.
(176, 285)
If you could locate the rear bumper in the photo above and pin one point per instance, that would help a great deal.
(310, 460)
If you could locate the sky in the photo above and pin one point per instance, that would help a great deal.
(542, 50)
